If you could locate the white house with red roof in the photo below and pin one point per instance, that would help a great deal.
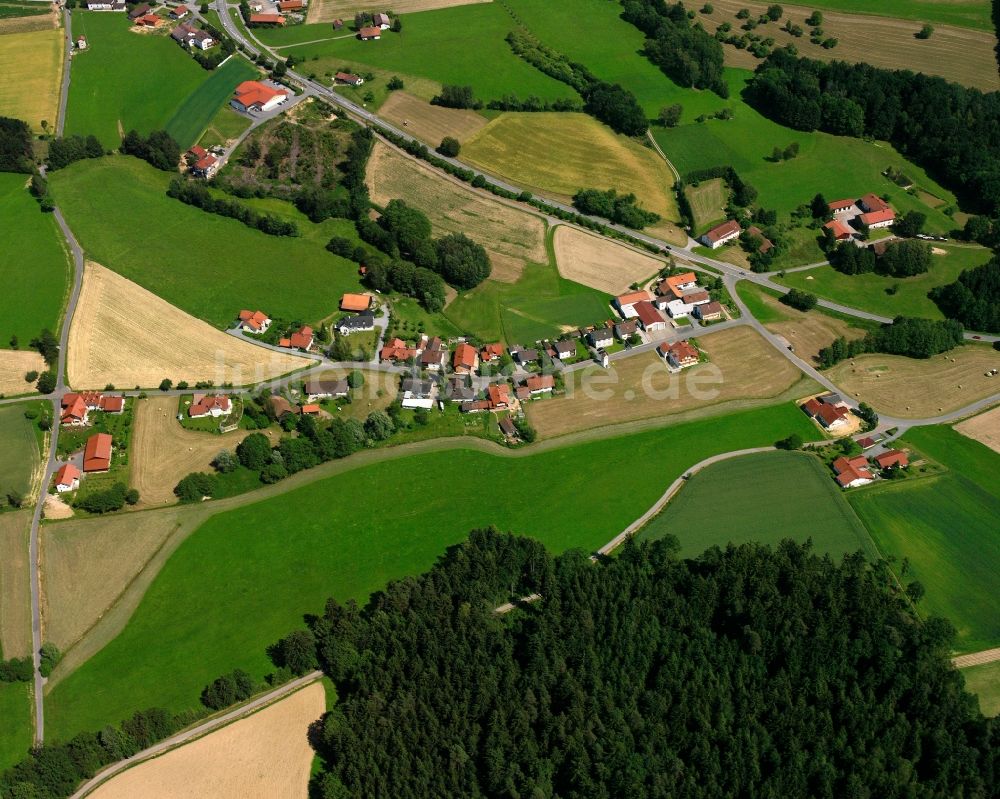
(255, 97)
(721, 234)
(254, 321)
(67, 478)
(625, 303)
(301, 339)
(214, 405)
(852, 472)
(679, 355)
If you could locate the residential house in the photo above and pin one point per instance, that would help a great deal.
(524, 356)
(267, 19)
(382, 21)
(139, 11)
(475, 406)
(626, 329)
(417, 393)
(867, 442)
(625, 303)
(317, 389)
(831, 417)
(201, 39)
(832, 398)
(675, 286)
(522, 393)
(466, 359)
(540, 384)
(601, 338)
(291, 5)
(214, 405)
(81, 42)
(457, 390)
(498, 396)
(356, 324)
(852, 472)
(178, 12)
(356, 302)
(252, 96)
(280, 406)
(148, 21)
(872, 203)
(348, 78)
(310, 409)
(507, 428)
(838, 230)
(434, 358)
(114, 405)
(721, 234)
(679, 355)
(709, 312)
(68, 478)
(369, 32)
(492, 352)
(878, 219)
(97, 453)
(893, 459)
(253, 321)
(301, 339)
(839, 206)
(338, 24)
(74, 411)
(564, 350)
(766, 245)
(396, 350)
(649, 318)
(205, 167)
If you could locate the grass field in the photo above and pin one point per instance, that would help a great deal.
(109, 93)
(329, 10)
(199, 619)
(946, 527)
(16, 732)
(245, 264)
(984, 681)
(33, 265)
(19, 445)
(223, 127)
(15, 598)
(31, 64)
(211, 97)
(870, 292)
(708, 203)
(768, 497)
(966, 13)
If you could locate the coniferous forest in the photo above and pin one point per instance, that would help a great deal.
(747, 672)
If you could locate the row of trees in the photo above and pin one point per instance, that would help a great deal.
(69, 149)
(899, 259)
(623, 209)
(744, 672)
(196, 193)
(914, 338)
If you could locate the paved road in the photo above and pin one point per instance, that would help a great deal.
(67, 61)
(196, 732)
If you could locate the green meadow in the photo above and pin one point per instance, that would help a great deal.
(768, 497)
(195, 114)
(207, 265)
(34, 265)
(126, 80)
(16, 731)
(963, 13)
(19, 445)
(871, 292)
(984, 681)
(946, 527)
(247, 576)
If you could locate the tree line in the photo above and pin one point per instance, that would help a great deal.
(974, 298)
(900, 259)
(748, 671)
(622, 209)
(16, 153)
(191, 192)
(914, 338)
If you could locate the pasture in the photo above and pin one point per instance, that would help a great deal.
(870, 292)
(125, 335)
(945, 526)
(743, 371)
(108, 95)
(31, 64)
(243, 260)
(965, 13)
(265, 754)
(201, 618)
(984, 682)
(224, 127)
(430, 123)
(769, 497)
(984, 428)
(200, 107)
(916, 388)
(708, 203)
(15, 598)
(599, 262)
(17, 730)
(19, 444)
(34, 266)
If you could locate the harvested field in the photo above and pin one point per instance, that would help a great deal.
(961, 55)
(14, 364)
(808, 332)
(15, 605)
(511, 236)
(266, 755)
(708, 203)
(430, 123)
(163, 452)
(745, 371)
(600, 263)
(56, 508)
(984, 428)
(329, 10)
(125, 335)
(918, 388)
(31, 64)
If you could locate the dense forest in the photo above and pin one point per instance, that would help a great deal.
(914, 338)
(952, 131)
(745, 673)
(973, 299)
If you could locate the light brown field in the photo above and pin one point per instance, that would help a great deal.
(430, 123)
(38, 22)
(961, 55)
(511, 236)
(264, 756)
(56, 508)
(600, 263)
(918, 388)
(984, 428)
(14, 364)
(15, 605)
(708, 202)
(808, 332)
(745, 371)
(163, 452)
(125, 335)
(329, 10)
(31, 65)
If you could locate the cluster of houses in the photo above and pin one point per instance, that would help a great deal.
(202, 163)
(851, 472)
(257, 97)
(870, 212)
(380, 22)
(362, 317)
(96, 458)
(829, 411)
(187, 35)
(678, 295)
(76, 407)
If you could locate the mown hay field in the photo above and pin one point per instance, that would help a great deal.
(430, 123)
(512, 237)
(195, 114)
(329, 10)
(15, 599)
(917, 388)
(984, 428)
(125, 335)
(600, 263)
(743, 370)
(14, 365)
(17, 730)
(965, 13)
(708, 203)
(31, 64)
(263, 756)
(807, 332)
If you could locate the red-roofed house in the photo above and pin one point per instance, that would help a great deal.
(179, 12)
(97, 453)
(676, 285)
(871, 202)
(492, 352)
(649, 318)
(396, 350)
(839, 206)
(349, 78)
(679, 355)
(148, 21)
(310, 410)
(254, 321)
(812, 406)
(721, 234)
(74, 411)
(369, 32)
(878, 219)
(290, 5)
(301, 339)
(540, 384)
(205, 167)
(267, 19)
(252, 95)
(838, 230)
(465, 359)
(626, 303)
(356, 302)
(113, 405)
(214, 405)
(498, 396)
(893, 459)
(67, 478)
(830, 416)
(867, 442)
(852, 472)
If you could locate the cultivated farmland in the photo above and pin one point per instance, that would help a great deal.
(195, 114)
(31, 65)
(599, 262)
(264, 755)
(744, 371)
(915, 388)
(511, 236)
(15, 603)
(205, 608)
(126, 335)
(965, 13)
(769, 497)
(708, 203)
(984, 428)
(246, 265)
(945, 526)
(329, 10)
(33, 266)
(430, 123)
(14, 364)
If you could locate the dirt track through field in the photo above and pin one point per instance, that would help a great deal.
(264, 756)
(125, 335)
(599, 262)
(984, 428)
(14, 364)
